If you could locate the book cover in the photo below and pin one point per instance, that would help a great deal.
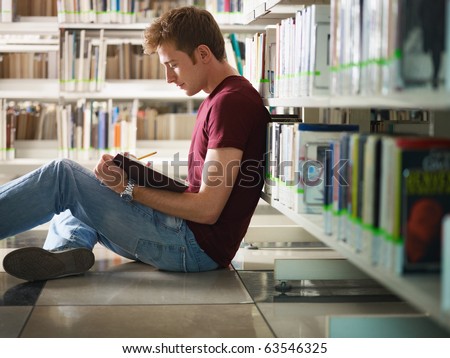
(144, 175)
(424, 201)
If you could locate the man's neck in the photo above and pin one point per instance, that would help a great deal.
(218, 72)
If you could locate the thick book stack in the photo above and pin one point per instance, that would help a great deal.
(389, 195)
(293, 54)
(379, 47)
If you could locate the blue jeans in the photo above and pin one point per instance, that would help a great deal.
(88, 212)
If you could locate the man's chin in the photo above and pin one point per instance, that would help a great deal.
(190, 93)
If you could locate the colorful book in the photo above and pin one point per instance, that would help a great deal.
(424, 200)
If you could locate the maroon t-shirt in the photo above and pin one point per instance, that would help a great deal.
(233, 115)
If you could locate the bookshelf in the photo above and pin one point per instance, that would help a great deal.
(44, 34)
(423, 290)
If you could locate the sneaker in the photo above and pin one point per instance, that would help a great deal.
(36, 264)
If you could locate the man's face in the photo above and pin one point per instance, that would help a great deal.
(180, 69)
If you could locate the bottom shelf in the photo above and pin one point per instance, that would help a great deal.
(421, 290)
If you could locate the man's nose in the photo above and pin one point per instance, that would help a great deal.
(170, 75)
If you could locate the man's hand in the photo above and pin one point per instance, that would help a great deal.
(110, 174)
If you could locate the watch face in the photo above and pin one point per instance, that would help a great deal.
(126, 197)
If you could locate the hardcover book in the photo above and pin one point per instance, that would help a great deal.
(144, 175)
(424, 201)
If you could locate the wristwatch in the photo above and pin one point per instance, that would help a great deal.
(127, 194)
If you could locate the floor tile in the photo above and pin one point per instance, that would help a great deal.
(147, 321)
(152, 287)
(310, 320)
(303, 311)
(263, 288)
(15, 292)
(12, 320)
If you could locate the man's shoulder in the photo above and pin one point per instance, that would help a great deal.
(237, 88)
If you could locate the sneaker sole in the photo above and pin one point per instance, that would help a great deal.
(36, 264)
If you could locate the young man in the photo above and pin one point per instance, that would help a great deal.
(197, 230)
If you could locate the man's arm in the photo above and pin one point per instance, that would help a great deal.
(219, 175)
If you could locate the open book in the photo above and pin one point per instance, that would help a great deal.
(144, 175)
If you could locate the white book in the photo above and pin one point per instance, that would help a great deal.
(84, 6)
(7, 10)
(102, 48)
(81, 61)
(306, 50)
(71, 59)
(319, 68)
(69, 6)
(61, 11)
(87, 125)
(65, 63)
(391, 67)
(346, 49)
(59, 132)
(388, 198)
(297, 53)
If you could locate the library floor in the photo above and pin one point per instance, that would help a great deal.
(122, 298)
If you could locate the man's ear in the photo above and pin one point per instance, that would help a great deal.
(204, 52)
